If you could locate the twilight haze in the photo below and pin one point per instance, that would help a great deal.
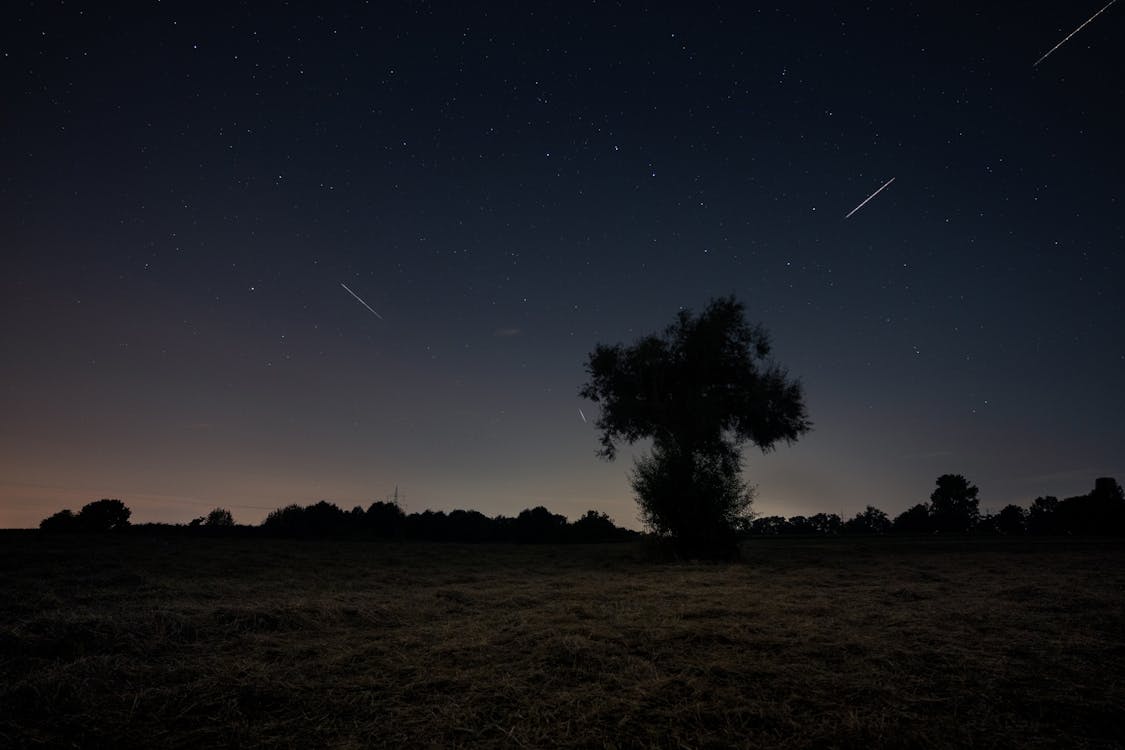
(198, 202)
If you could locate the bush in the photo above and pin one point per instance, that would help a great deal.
(914, 520)
(64, 520)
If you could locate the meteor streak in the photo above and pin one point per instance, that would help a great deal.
(582, 415)
(888, 182)
(349, 291)
(1068, 36)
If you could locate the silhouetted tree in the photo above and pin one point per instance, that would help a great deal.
(915, 520)
(954, 505)
(64, 520)
(870, 520)
(695, 499)
(1041, 516)
(1102, 511)
(1107, 490)
(286, 521)
(325, 518)
(219, 517)
(699, 391)
(986, 524)
(1011, 520)
(800, 525)
(428, 524)
(104, 515)
(828, 524)
(769, 525)
(385, 519)
(593, 527)
(322, 519)
(1107, 507)
(539, 525)
(469, 526)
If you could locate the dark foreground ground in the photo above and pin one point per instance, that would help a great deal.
(132, 642)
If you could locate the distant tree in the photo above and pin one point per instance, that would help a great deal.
(1011, 520)
(870, 520)
(219, 517)
(104, 515)
(800, 525)
(1041, 517)
(828, 524)
(322, 519)
(594, 527)
(1107, 512)
(700, 391)
(539, 525)
(428, 524)
(469, 526)
(385, 519)
(915, 520)
(986, 524)
(769, 525)
(502, 528)
(286, 522)
(954, 505)
(1107, 490)
(64, 520)
(1100, 512)
(325, 519)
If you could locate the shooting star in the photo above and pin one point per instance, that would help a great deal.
(582, 415)
(1068, 36)
(349, 291)
(861, 205)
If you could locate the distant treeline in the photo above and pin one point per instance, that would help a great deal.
(380, 520)
(954, 507)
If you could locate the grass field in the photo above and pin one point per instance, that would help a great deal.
(134, 642)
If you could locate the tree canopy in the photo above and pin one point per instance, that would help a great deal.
(700, 391)
(954, 505)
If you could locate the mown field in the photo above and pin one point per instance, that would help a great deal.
(134, 642)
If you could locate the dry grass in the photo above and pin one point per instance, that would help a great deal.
(194, 643)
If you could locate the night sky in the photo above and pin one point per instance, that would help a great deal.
(185, 188)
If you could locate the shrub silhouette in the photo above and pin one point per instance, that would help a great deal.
(470, 526)
(284, 520)
(870, 520)
(1011, 520)
(64, 520)
(915, 520)
(594, 527)
(538, 525)
(219, 517)
(1102, 511)
(428, 525)
(800, 525)
(769, 526)
(104, 515)
(700, 391)
(1107, 490)
(828, 524)
(1041, 516)
(385, 519)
